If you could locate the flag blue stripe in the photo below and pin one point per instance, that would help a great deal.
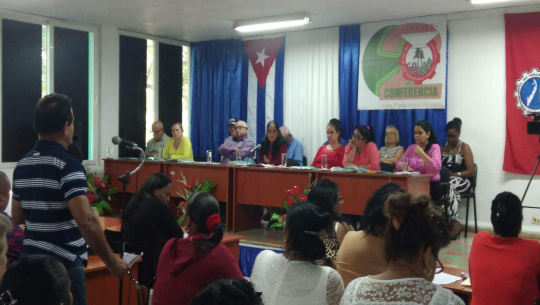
(278, 87)
(244, 86)
(261, 111)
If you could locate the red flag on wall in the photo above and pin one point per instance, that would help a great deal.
(522, 91)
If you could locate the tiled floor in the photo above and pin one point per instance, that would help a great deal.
(454, 255)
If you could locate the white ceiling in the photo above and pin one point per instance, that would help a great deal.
(198, 20)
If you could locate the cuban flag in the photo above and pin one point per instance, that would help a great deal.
(264, 84)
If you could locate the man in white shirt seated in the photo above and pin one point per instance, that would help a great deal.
(295, 150)
(239, 143)
(157, 143)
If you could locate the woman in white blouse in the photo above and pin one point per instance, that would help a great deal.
(293, 277)
(414, 235)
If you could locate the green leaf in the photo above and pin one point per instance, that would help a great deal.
(275, 217)
(112, 191)
(106, 178)
(277, 225)
(180, 220)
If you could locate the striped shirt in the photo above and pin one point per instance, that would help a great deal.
(44, 180)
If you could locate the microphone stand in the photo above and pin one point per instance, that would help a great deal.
(125, 179)
(530, 180)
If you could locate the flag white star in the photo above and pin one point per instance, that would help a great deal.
(261, 57)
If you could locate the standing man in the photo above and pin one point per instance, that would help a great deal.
(295, 150)
(157, 143)
(239, 142)
(232, 125)
(14, 238)
(50, 196)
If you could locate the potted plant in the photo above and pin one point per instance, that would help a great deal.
(188, 189)
(99, 192)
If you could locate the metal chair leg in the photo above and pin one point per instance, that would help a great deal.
(474, 205)
(467, 218)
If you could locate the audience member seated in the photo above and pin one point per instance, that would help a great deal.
(415, 233)
(292, 277)
(157, 143)
(504, 268)
(295, 150)
(325, 195)
(361, 150)
(232, 125)
(188, 265)
(272, 146)
(5, 227)
(333, 151)
(178, 146)
(15, 236)
(36, 279)
(341, 140)
(228, 292)
(149, 222)
(457, 157)
(424, 156)
(238, 143)
(362, 253)
(392, 151)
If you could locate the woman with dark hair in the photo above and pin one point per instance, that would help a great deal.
(457, 157)
(505, 261)
(362, 253)
(415, 233)
(293, 277)
(361, 150)
(391, 151)
(36, 279)
(149, 222)
(333, 151)
(228, 292)
(188, 265)
(272, 146)
(325, 195)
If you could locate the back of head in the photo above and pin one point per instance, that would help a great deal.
(374, 221)
(203, 210)
(228, 292)
(324, 195)
(51, 113)
(413, 225)
(153, 182)
(307, 226)
(336, 124)
(36, 279)
(366, 132)
(5, 185)
(506, 215)
(454, 124)
(426, 126)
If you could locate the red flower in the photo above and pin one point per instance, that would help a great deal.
(290, 200)
(288, 192)
(283, 218)
(178, 213)
(92, 197)
(302, 197)
(189, 186)
(296, 190)
(183, 204)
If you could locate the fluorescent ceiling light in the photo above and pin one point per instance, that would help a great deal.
(487, 1)
(271, 23)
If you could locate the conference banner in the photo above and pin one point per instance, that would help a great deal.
(522, 33)
(403, 64)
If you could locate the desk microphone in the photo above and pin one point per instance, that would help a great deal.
(255, 148)
(117, 140)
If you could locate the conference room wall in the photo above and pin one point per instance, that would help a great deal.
(476, 94)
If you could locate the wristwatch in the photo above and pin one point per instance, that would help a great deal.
(459, 174)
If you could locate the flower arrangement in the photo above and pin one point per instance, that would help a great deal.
(294, 195)
(190, 188)
(100, 191)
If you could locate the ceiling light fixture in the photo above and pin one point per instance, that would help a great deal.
(487, 1)
(271, 23)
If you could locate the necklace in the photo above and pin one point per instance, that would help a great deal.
(453, 150)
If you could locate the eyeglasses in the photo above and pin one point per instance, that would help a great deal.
(439, 267)
(157, 131)
(357, 137)
(390, 133)
(239, 127)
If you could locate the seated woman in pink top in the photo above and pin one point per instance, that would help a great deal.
(334, 151)
(361, 151)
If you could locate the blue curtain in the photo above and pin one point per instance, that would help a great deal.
(350, 116)
(216, 92)
(247, 258)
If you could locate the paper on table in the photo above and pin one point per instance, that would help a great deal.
(466, 282)
(445, 278)
(130, 258)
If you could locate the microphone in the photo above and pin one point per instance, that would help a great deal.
(117, 140)
(255, 148)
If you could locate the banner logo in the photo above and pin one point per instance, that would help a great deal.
(527, 93)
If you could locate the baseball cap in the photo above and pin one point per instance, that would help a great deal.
(232, 121)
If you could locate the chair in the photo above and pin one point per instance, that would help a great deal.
(146, 275)
(471, 193)
(304, 159)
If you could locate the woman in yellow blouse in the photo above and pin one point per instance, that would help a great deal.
(178, 146)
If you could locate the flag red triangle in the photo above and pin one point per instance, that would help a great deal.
(262, 54)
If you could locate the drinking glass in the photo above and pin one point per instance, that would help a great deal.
(405, 162)
(238, 157)
(209, 156)
(324, 164)
(110, 152)
(284, 160)
(161, 152)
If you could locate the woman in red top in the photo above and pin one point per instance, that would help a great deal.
(361, 151)
(334, 151)
(504, 268)
(272, 146)
(188, 265)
